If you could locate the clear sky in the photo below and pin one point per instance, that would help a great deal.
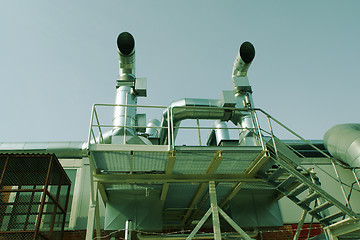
(57, 58)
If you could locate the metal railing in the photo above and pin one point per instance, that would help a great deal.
(264, 129)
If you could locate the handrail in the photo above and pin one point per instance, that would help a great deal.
(257, 130)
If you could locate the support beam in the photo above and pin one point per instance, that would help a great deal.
(93, 215)
(103, 193)
(300, 225)
(234, 225)
(346, 226)
(215, 211)
(330, 235)
(173, 178)
(256, 165)
(168, 171)
(199, 225)
(213, 166)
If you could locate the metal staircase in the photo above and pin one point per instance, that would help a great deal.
(283, 171)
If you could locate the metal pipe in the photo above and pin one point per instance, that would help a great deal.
(125, 115)
(191, 108)
(128, 230)
(245, 121)
(126, 51)
(243, 59)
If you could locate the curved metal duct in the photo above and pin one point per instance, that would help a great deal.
(343, 142)
(243, 94)
(125, 116)
(192, 108)
(243, 59)
(126, 51)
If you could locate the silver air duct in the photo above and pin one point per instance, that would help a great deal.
(243, 59)
(243, 94)
(191, 108)
(343, 142)
(125, 94)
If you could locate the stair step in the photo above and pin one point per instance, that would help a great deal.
(309, 199)
(275, 175)
(301, 188)
(321, 207)
(286, 182)
(267, 166)
(332, 217)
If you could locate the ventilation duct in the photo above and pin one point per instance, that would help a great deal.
(343, 142)
(191, 108)
(243, 94)
(124, 115)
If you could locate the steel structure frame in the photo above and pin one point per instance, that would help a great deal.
(26, 187)
(209, 179)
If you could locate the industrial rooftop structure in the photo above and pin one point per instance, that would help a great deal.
(203, 168)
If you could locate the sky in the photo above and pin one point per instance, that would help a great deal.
(58, 58)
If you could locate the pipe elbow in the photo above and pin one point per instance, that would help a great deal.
(126, 44)
(244, 59)
(126, 51)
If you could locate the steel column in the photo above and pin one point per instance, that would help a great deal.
(213, 166)
(168, 171)
(214, 210)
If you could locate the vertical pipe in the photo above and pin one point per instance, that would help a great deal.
(243, 93)
(198, 128)
(125, 115)
(128, 230)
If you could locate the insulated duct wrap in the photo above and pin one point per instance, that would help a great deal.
(343, 142)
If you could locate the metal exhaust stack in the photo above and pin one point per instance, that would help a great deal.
(125, 94)
(243, 60)
(243, 94)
